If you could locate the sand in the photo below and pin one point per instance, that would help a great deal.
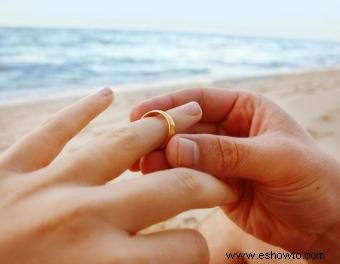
(313, 98)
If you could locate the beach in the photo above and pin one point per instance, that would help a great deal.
(312, 98)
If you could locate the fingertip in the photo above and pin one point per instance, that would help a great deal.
(113, 94)
(191, 108)
(106, 96)
(198, 243)
(136, 166)
(107, 91)
(198, 108)
(138, 110)
(134, 114)
(154, 161)
(110, 99)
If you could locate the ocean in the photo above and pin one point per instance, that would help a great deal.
(41, 61)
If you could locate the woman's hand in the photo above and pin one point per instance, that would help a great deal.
(62, 210)
(288, 189)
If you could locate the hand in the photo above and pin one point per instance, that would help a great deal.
(62, 210)
(288, 189)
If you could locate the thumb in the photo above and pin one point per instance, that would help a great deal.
(220, 156)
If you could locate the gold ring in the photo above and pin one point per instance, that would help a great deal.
(169, 120)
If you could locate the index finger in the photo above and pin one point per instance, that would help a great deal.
(215, 103)
(40, 147)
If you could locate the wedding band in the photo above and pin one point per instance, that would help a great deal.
(169, 120)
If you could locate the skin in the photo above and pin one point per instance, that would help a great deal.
(287, 187)
(235, 240)
(64, 211)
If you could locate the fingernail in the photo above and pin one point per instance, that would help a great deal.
(105, 92)
(188, 152)
(192, 108)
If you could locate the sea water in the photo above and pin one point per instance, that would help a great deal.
(38, 61)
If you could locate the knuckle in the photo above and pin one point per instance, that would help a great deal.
(187, 180)
(247, 105)
(251, 98)
(229, 154)
(250, 101)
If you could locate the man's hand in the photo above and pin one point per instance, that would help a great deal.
(288, 189)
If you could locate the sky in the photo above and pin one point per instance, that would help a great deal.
(306, 19)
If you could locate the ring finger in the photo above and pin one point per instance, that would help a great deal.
(109, 155)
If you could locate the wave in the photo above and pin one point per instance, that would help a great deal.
(37, 60)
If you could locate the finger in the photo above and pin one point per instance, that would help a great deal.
(151, 162)
(135, 166)
(40, 147)
(109, 155)
(215, 103)
(157, 160)
(237, 113)
(204, 128)
(154, 161)
(148, 200)
(220, 156)
(167, 247)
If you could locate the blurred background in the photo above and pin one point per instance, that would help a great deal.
(64, 46)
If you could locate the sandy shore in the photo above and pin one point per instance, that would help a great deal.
(312, 98)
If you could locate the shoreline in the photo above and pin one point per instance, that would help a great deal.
(162, 30)
(74, 93)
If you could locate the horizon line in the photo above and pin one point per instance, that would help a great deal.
(169, 30)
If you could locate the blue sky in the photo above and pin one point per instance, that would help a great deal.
(314, 19)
